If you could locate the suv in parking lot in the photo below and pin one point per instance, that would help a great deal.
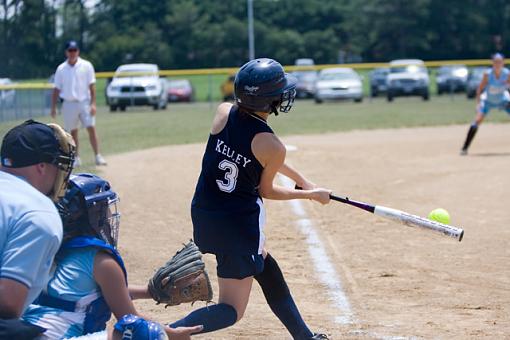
(407, 77)
(137, 84)
(378, 81)
(451, 78)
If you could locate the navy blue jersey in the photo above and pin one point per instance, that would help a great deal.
(226, 209)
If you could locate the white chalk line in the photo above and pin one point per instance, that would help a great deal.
(323, 265)
(327, 273)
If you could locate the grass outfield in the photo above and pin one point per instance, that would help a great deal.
(140, 128)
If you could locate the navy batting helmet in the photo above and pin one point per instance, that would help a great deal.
(89, 207)
(262, 85)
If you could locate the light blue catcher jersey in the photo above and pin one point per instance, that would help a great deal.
(496, 87)
(72, 304)
(30, 234)
(72, 280)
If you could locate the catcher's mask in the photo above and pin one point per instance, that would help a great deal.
(89, 207)
(261, 85)
(64, 161)
(33, 142)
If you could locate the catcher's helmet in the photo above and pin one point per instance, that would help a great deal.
(262, 85)
(89, 207)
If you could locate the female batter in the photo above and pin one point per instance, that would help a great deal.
(240, 162)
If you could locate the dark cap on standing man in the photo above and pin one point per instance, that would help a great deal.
(72, 45)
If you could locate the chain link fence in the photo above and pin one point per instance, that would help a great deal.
(24, 101)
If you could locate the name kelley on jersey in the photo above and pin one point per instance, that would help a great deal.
(224, 149)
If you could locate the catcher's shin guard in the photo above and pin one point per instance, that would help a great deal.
(280, 300)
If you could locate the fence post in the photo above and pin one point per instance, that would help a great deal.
(209, 92)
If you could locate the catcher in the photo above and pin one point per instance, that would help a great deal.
(89, 281)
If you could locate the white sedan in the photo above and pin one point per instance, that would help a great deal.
(338, 83)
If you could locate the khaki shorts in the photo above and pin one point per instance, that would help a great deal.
(76, 112)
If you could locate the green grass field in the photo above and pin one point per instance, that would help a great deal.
(140, 128)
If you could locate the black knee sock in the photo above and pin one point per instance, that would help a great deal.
(471, 134)
(278, 297)
(211, 317)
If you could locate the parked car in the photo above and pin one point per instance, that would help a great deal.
(451, 78)
(378, 81)
(474, 78)
(407, 77)
(7, 96)
(338, 83)
(305, 87)
(180, 90)
(227, 88)
(304, 62)
(137, 84)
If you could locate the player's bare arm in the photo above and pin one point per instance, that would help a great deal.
(12, 296)
(54, 98)
(297, 177)
(92, 88)
(270, 152)
(481, 87)
(110, 277)
(221, 117)
(139, 292)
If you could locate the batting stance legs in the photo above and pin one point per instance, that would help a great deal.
(234, 296)
(280, 300)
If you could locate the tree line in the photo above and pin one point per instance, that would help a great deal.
(179, 34)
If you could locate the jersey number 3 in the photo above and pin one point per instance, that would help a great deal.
(231, 173)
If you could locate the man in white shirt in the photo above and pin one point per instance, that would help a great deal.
(75, 84)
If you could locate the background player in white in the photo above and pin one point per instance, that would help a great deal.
(36, 163)
(491, 93)
(75, 84)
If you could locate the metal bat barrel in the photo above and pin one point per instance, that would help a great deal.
(401, 216)
(417, 221)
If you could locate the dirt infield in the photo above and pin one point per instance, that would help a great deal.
(399, 282)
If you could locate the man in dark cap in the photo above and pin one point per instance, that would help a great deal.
(75, 84)
(36, 161)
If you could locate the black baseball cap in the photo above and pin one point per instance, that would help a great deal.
(72, 44)
(28, 144)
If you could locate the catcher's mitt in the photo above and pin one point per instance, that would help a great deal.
(182, 279)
